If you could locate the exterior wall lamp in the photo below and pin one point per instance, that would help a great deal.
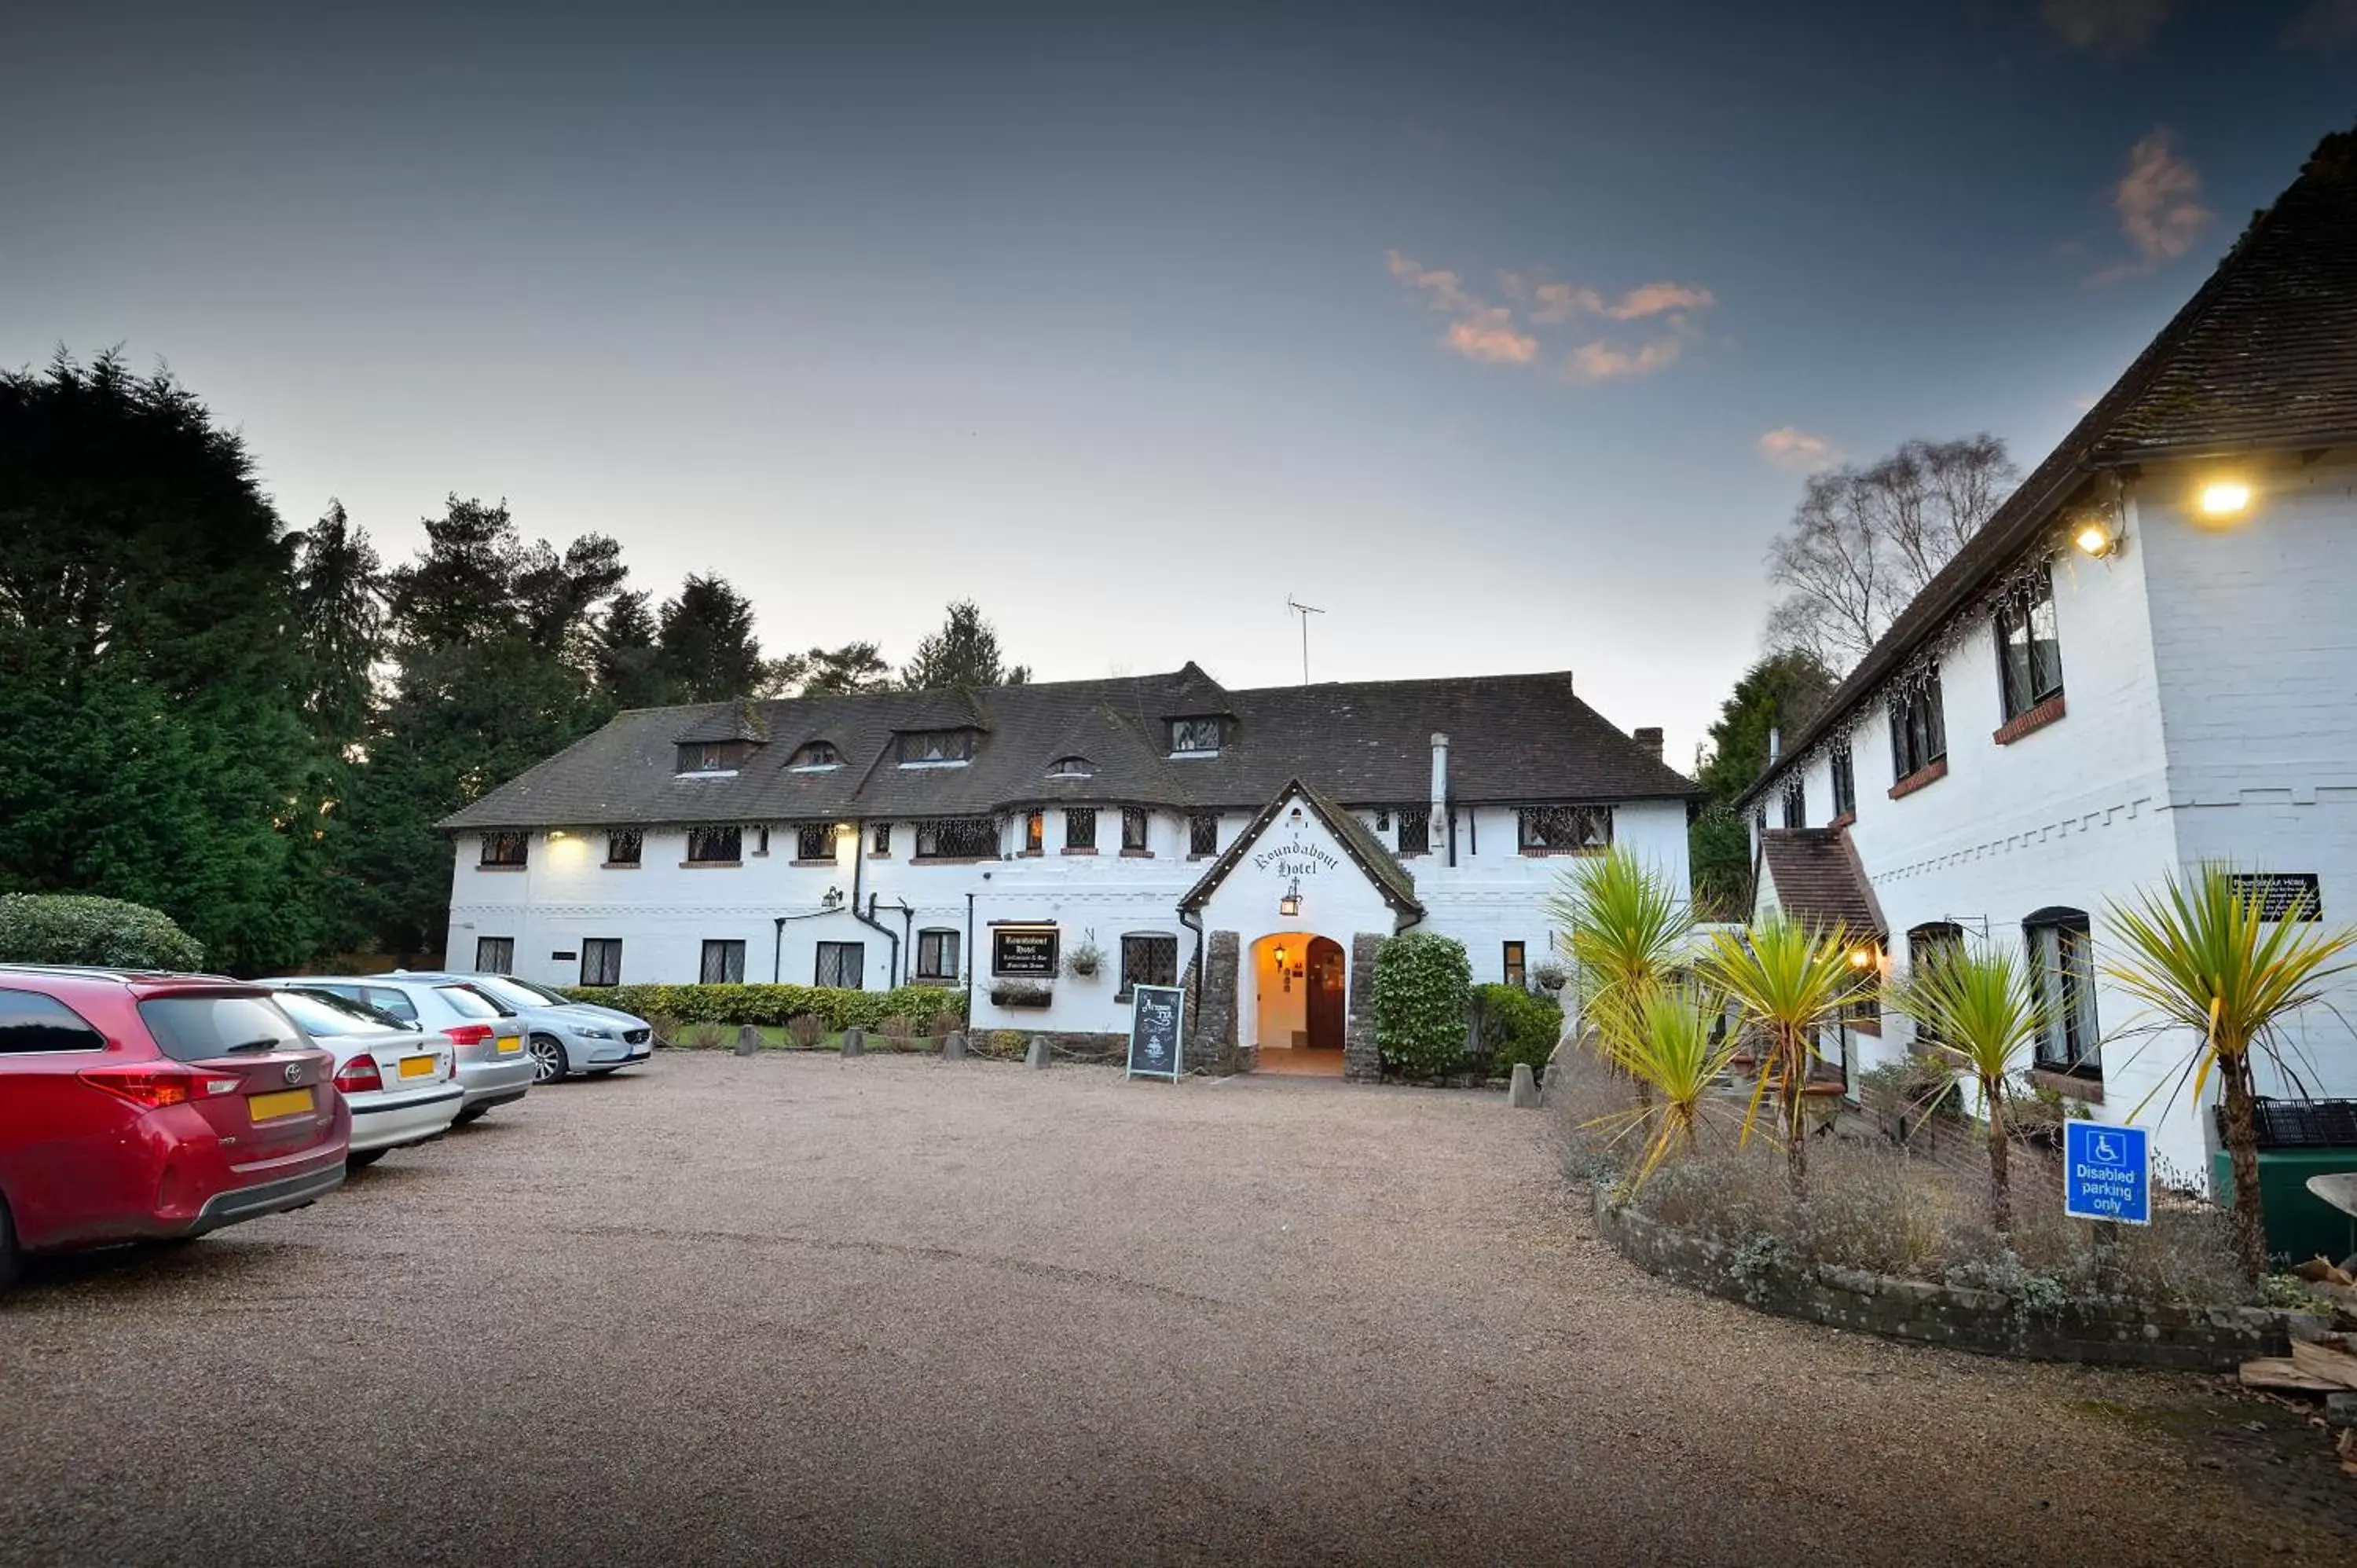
(2097, 537)
(833, 899)
(2222, 499)
(1290, 905)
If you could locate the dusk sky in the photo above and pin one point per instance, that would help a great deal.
(1504, 337)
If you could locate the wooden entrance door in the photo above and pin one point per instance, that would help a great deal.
(1327, 995)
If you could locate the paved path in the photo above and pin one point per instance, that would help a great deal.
(793, 1309)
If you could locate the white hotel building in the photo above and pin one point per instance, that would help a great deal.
(2146, 662)
(1253, 845)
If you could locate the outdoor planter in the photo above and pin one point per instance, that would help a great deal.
(1022, 996)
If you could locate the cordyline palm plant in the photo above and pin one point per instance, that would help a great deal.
(1629, 931)
(1788, 982)
(1979, 1013)
(2202, 955)
(1668, 1047)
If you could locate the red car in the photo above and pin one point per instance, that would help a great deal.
(139, 1106)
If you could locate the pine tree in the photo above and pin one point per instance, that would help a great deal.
(963, 654)
(709, 653)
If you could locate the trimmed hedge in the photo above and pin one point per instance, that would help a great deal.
(63, 928)
(771, 1005)
(1421, 981)
(1516, 1025)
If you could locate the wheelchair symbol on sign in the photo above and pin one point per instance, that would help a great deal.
(2106, 1152)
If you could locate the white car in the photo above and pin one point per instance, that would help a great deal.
(401, 1082)
(493, 1067)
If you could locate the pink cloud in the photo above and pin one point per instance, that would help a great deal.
(1489, 338)
(1441, 290)
(2160, 206)
(1797, 451)
(1602, 361)
(1653, 298)
(1559, 302)
(1494, 335)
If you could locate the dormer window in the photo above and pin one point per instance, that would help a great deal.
(1071, 768)
(817, 754)
(936, 748)
(711, 757)
(1195, 738)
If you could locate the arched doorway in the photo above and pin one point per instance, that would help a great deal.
(1301, 1002)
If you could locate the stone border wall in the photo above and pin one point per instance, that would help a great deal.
(2186, 1338)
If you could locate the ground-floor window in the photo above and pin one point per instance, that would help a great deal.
(601, 961)
(724, 964)
(937, 955)
(1516, 972)
(843, 964)
(2062, 967)
(1935, 942)
(1147, 958)
(494, 955)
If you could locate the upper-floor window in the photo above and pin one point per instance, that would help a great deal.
(1071, 768)
(1796, 799)
(1133, 827)
(1415, 830)
(1203, 833)
(1555, 830)
(925, 748)
(1194, 737)
(1080, 827)
(1035, 832)
(1919, 733)
(712, 756)
(625, 845)
(958, 838)
(711, 845)
(2062, 968)
(506, 848)
(818, 753)
(814, 841)
(879, 841)
(1844, 782)
(2028, 654)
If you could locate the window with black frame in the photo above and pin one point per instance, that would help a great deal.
(1918, 731)
(715, 846)
(625, 845)
(2028, 649)
(1415, 830)
(814, 841)
(1035, 833)
(937, 955)
(601, 961)
(1563, 830)
(508, 849)
(1928, 945)
(1517, 971)
(1133, 829)
(712, 756)
(2062, 970)
(937, 748)
(1796, 801)
(958, 838)
(879, 841)
(1203, 833)
(724, 964)
(1845, 774)
(1080, 828)
(494, 955)
(1194, 737)
(843, 965)
(1147, 958)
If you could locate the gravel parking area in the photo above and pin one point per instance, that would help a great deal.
(790, 1308)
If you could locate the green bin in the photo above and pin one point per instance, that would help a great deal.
(2298, 1140)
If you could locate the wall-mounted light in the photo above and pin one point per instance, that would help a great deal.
(833, 899)
(1862, 956)
(2221, 498)
(2096, 537)
(1280, 957)
(1290, 905)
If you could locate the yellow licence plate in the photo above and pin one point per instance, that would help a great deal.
(286, 1102)
(417, 1067)
(512, 1043)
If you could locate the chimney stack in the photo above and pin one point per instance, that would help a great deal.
(1775, 745)
(1440, 822)
(1649, 741)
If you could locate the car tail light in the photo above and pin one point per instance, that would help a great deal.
(359, 1076)
(157, 1087)
(468, 1033)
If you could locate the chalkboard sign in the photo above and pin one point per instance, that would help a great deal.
(2280, 894)
(1023, 950)
(1153, 1015)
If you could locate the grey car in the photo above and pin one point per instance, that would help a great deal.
(494, 1069)
(564, 1037)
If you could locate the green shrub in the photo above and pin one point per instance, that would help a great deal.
(1422, 985)
(1007, 1045)
(56, 927)
(1513, 1024)
(771, 1005)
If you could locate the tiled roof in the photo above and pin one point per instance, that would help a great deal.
(2264, 355)
(1819, 882)
(1382, 867)
(1515, 739)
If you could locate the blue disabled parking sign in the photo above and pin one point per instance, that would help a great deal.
(2107, 1172)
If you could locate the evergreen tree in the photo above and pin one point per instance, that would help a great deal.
(963, 654)
(709, 653)
(629, 662)
(340, 626)
(153, 742)
(1782, 691)
(855, 668)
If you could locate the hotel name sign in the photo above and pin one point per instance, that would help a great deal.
(1297, 859)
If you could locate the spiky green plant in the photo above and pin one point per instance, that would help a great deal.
(1628, 930)
(1788, 982)
(1668, 1047)
(2201, 955)
(1979, 1013)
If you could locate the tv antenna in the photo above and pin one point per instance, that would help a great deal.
(1305, 612)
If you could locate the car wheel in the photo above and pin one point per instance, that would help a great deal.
(365, 1158)
(8, 1254)
(547, 1058)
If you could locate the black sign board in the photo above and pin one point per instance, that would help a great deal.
(2281, 895)
(563, 956)
(1023, 950)
(1153, 1016)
